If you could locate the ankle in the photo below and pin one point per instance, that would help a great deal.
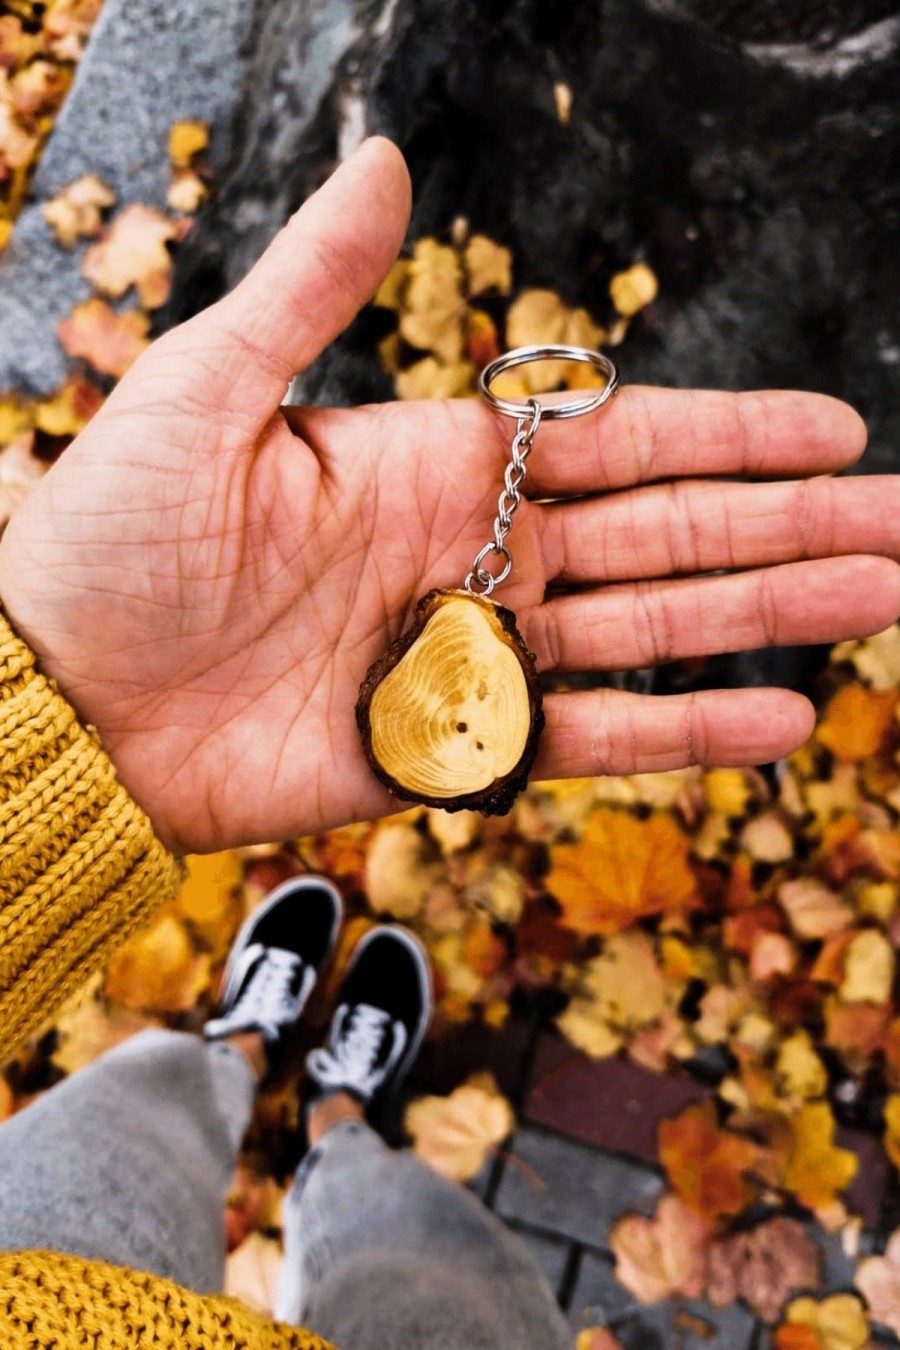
(329, 1111)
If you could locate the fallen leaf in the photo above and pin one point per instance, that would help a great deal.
(133, 253)
(69, 410)
(617, 992)
(767, 838)
(453, 831)
(540, 316)
(813, 909)
(868, 968)
(633, 289)
(20, 472)
(455, 1134)
(110, 342)
(253, 1273)
(89, 1027)
(488, 266)
(432, 309)
(707, 1166)
(158, 971)
(562, 98)
(799, 1071)
(429, 378)
(875, 659)
(856, 721)
(838, 1323)
(763, 1267)
(76, 212)
(878, 1280)
(622, 870)
(400, 869)
(816, 1170)
(187, 192)
(892, 1128)
(662, 1256)
(728, 790)
(186, 139)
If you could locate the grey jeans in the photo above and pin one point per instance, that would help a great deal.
(130, 1161)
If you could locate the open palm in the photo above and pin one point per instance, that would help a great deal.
(208, 575)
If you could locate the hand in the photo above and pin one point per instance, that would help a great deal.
(208, 575)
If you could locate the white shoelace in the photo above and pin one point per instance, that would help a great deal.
(268, 1001)
(350, 1058)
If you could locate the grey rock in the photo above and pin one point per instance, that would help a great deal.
(146, 66)
(565, 1188)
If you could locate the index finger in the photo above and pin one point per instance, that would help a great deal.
(645, 434)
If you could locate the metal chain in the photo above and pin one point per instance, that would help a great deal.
(480, 581)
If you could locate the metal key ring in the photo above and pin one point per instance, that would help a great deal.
(553, 351)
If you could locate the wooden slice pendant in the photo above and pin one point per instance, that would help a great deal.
(451, 714)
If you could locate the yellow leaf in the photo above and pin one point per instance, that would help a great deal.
(88, 1028)
(618, 992)
(799, 1070)
(766, 838)
(69, 410)
(187, 139)
(541, 316)
(856, 721)
(868, 968)
(454, 830)
(208, 891)
(433, 309)
(16, 419)
(875, 659)
(158, 971)
(839, 1321)
(76, 212)
(622, 870)
(455, 1134)
(892, 1128)
(488, 266)
(727, 790)
(816, 1170)
(632, 290)
(390, 293)
(428, 378)
(584, 1028)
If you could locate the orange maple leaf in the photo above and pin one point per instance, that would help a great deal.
(622, 870)
(816, 1170)
(707, 1165)
(856, 721)
(110, 342)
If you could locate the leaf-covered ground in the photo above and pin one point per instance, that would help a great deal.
(730, 919)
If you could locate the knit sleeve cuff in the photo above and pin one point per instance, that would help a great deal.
(80, 866)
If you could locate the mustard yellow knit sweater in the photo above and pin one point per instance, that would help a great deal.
(80, 870)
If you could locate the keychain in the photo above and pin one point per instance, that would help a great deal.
(451, 715)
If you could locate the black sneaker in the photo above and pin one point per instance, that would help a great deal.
(276, 959)
(383, 1014)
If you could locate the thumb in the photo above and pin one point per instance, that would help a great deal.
(320, 269)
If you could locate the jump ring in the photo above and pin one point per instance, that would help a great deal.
(554, 351)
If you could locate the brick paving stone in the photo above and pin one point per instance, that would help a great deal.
(609, 1103)
(551, 1255)
(562, 1187)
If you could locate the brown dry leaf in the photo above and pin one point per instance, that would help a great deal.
(70, 409)
(20, 472)
(662, 1256)
(455, 1134)
(88, 1028)
(856, 1030)
(400, 869)
(813, 909)
(158, 971)
(856, 721)
(878, 1280)
(110, 342)
(875, 659)
(133, 253)
(488, 266)
(892, 1128)
(253, 1273)
(763, 1267)
(817, 1170)
(837, 1323)
(186, 139)
(76, 212)
(868, 967)
(429, 378)
(433, 309)
(706, 1165)
(622, 870)
(633, 289)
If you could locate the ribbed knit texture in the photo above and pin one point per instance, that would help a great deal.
(80, 870)
(80, 866)
(53, 1302)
